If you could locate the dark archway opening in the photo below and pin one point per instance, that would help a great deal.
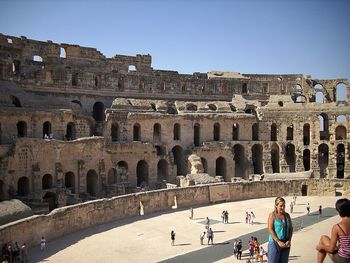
(290, 157)
(178, 159)
(137, 132)
(50, 198)
(142, 174)
(306, 134)
(162, 171)
(46, 129)
(306, 159)
(196, 135)
(340, 160)
(21, 129)
(70, 131)
(304, 190)
(235, 131)
(115, 132)
(69, 181)
(221, 168)
(255, 132)
(257, 158)
(92, 183)
(23, 186)
(273, 132)
(275, 158)
(47, 181)
(239, 158)
(216, 131)
(323, 156)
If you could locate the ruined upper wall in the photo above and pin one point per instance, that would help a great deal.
(71, 69)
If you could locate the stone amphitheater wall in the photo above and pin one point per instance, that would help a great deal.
(65, 220)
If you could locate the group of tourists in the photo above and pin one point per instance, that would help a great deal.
(224, 217)
(249, 217)
(14, 253)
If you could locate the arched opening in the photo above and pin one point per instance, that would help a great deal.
(340, 160)
(15, 101)
(2, 191)
(142, 174)
(69, 181)
(341, 93)
(115, 132)
(290, 157)
(161, 150)
(63, 52)
(319, 96)
(50, 198)
(77, 102)
(220, 169)
(99, 111)
(323, 157)
(137, 132)
(216, 132)
(298, 94)
(239, 158)
(275, 158)
(304, 190)
(162, 171)
(196, 134)
(177, 132)
(46, 129)
(340, 133)
(70, 131)
(16, 67)
(244, 88)
(273, 132)
(178, 159)
(171, 110)
(205, 164)
(47, 181)
(341, 118)
(212, 107)
(157, 133)
(306, 134)
(191, 107)
(257, 158)
(255, 132)
(37, 58)
(92, 183)
(21, 129)
(306, 159)
(290, 132)
(112, 177)
(235, 132)
(23, 186)
(324, 126)
(122, 171)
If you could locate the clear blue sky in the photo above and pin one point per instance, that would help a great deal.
(311, 37)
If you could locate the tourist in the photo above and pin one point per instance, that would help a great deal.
(239, 249)
(207, 222)
(249, 217)
(319, 211)
(252, 217)
(42, 243)
(281, 231)
(226, 217)
(308, 208)
(223, 216)
(191, 213)
(24, 253)
(201, 237)
(210, 236)
(172, 236)
(246, 217)
(291, 207)
(235, 243)
(261, 254)
(340, 234)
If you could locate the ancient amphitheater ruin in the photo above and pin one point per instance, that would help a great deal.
(77, 126)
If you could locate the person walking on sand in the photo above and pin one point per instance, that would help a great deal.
(42, 243)
(201, 237)
(210, 236)
(172, 236)
(191, 213)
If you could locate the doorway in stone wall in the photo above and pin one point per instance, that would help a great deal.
(340, 160)
(50, 198)
(304, 190)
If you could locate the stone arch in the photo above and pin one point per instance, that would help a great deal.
(290, 156)
(205, 164)
(178, 159)
(275, 158)
(2, 191)
(70, 131)
(191, 107)
(290, 132)
(98, 112)
(257, 158)
(21, 129)
(220, 168)
(15, 101)
(340, 133)
(112, 177)
(306, 159)
(235, 132)
(306, 134)
(177, 132)
(340, 160)
(255, 132)
(47, 181)
(162, 170)
(51, 199)
(122, 169)
(324, 126)
(216, 132)
(137, 132)
(23, 186)
(157, 133)
(319, 95)
(273, 132)
(92, 182)
(115, 132)
(323, 158)
(239, 158)
(69, 181)
(46, 129)
(196, 134)
(161, 150)
(341, 92)
(142, 173)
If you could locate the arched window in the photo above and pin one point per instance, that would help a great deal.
(115, 132)
(142, 174)
(92, 183)
(273, 132)
(324, 126)
(157, 138)
(137, 132)
(99, 111)
(216, 132)
(23, 186)
(196, 134)
(340, 133)
(323, 158)
(178, 159)
(191, 107)
(235, 131)
(257, 158)
(341, 93)
(290, 132)
(21, 129)
(306, 134)
(275, 158)
(69, 181)
(162, 171)
(255, 132)
(221, 168)
(47, 181)
(47, 129)
(177, 132)
(70, 131)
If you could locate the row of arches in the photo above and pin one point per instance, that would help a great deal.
(340, 94)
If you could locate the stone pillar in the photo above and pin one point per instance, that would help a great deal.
(81, 177)
(36, 182)
(59, 174)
